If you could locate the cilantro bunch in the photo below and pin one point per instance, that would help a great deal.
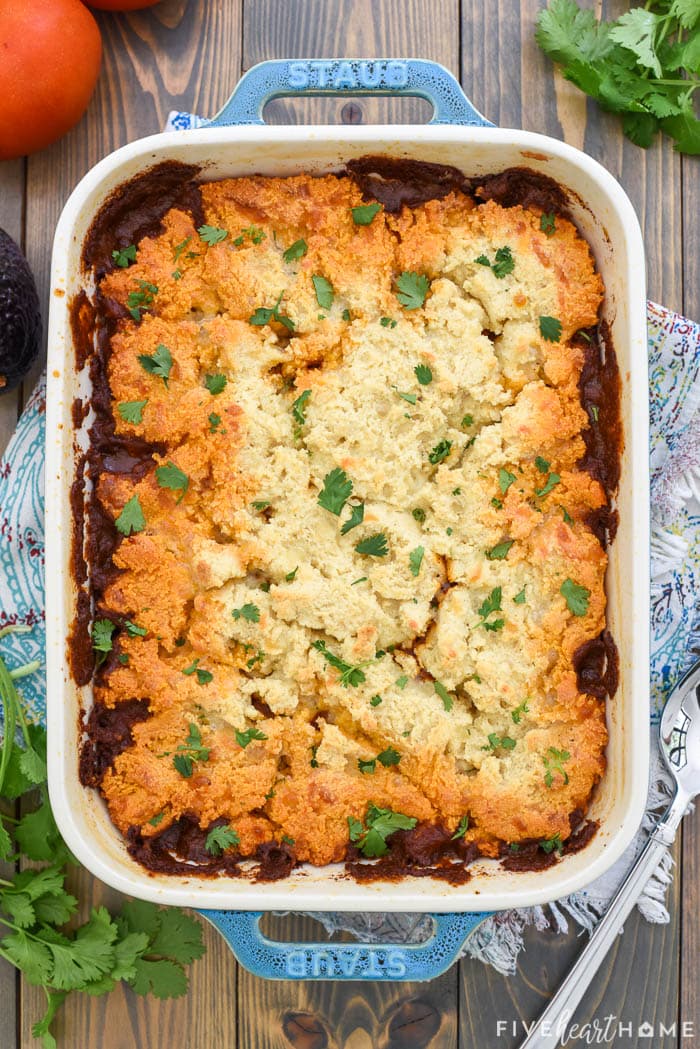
(645, 65)
(144, 945)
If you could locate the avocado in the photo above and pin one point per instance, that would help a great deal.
(20, 316)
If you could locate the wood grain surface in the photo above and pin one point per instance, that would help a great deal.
(188, 54)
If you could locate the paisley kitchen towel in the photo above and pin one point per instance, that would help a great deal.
(674, 398)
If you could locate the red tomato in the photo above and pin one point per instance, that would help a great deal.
(50, 62)
(120, 5)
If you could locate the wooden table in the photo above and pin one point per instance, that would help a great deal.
(188, 54)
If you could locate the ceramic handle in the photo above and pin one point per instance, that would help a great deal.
(413, 77)
(343, 961)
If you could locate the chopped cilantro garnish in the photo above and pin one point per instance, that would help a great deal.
(423, 374)
(264, 314)
(371, 836)
(203, 676)
(413, 288)
(410, 397)
(418, 514)
(244, 738)
(491, 604)
(159, 363)
(221, 838)
(461, 829)
(214, 422)
(467, 420)
(362, 579)
(497, 742)
(593, 411)
(375, 701)
(401, 682)
(518, 712)
(337, 489)
(296, 251)
(299, 411)
(260, 504)
(249, 612)
(500, 551)
(255, 233)
(179, 248)
(132, 411)
(122, 257)
(373, 546)
(157, 819)
(291, 576)
(363, 214)
(138, 301)
(577, 597)
(541, 464)
(134, 630)
(415, 559)
(171, 476)
(567, 516)
(131, 519)
(547, 223)
(215, 383)
(387, 322)
(102, 630)
(212, 234)
(368, 767)
(554, 844)
(357, 516)
(324, 292)
(189, 752)
(505, 479)
(440, 451)
(519, 598)
(447, 700)
(503, 265)
(554, 762)
(549, 484)
(389, 757)
(349, 674)
(550, 329)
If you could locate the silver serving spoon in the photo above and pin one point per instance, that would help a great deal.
(679, 739)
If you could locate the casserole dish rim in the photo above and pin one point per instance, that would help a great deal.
(295, 892)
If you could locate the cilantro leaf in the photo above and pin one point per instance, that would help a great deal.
(500, 551)
(518, 712)
(221, 838)
(349, 674)
(542, 464)
(244, 738)
(497, 742)
(102, 630)
(490, 604)
(423, 374)
(440, 451)
(134, 630)
(505, 480)
(337, 489)
(363, 214)
(373, 546)
(131, 519)
(389, 757)
(415, 559)
(291, 576)
(324, 292)
(138, 301)
(299, 411)
(461, 829)
(159, 363)
(172, 477)
(132, 411)
(413, 289)
(263, 315)
(162, 978)
(357, 516)
(380, 823)
(441, 691)
(550, 329)
(375, 701)
(215, 383)
(547, 223)
(249, 612)
(577, 597)
(123, 256)
(212, 234)
(368, 767)
(552, 844)
(549, 484)
(520, 598)
(554, 762)
(214, 422)
(503, 265)
(296, 251)
(636, 30)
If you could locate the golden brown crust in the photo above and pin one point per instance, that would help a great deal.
(249, 531)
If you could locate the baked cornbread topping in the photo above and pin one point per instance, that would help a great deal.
(345, 548)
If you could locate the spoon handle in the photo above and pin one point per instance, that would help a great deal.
(550, 1027)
